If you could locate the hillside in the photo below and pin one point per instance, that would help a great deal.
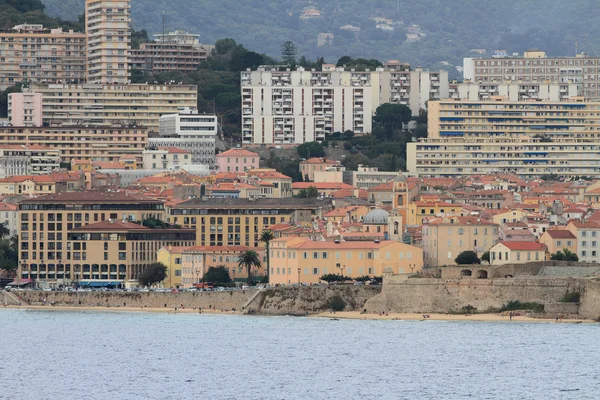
(443, 31)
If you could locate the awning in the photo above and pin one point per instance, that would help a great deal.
(21, 282)
(100, 283)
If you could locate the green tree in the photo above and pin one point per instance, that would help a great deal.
(467, 258)
(273, 161)
(486, 257)
(249, 259)
(4, 98)
(310, 192)
(224, 46)
(332, 278)
(289, 51)
(4, 231)
(311, 149)
(565, 255)
(10, 267)
(392, 116)
(342, 61)
(265, 237)
(153, 274)
(218, 274)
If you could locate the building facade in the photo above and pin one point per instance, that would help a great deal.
(109, 104)
(80, 142)
(46, 222)
(166, 158)
(299, 260)
(195, 133)
(26, 160)
(537, 67)
(281, 106)
(25, 109)
(107, 24)
(30, 53)
(237, 160)
(513, 91)
(239, 222)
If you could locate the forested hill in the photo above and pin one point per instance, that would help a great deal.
(443, 30)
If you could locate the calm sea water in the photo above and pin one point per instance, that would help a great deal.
(84, 355)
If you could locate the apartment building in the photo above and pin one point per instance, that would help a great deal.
(527, 138)
(31, 53)
(46, 253)
(559, 240)
(281, 106)
(588, 236)
(173, 51)
(42, 184)
(316, 164)
(115, 253)
(300, 260)
(25, 109)
(517, 253)
(366, 177)
(107, 24)
(109, 104)
(237, 160)
(195, 133)
(446, 237)
(165, 158)
(25, 160)
(513, 91)
(239, 222)
(537, 67)
(79, 142)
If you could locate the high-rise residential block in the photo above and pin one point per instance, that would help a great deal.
(513, 91)
(281, 106)
(31, 53)
(107, 24)
(537, 67)
(25, 109)
(112, 105)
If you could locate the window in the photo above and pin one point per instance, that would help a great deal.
(305, 255)
(583, 233)
(584, 244)
(315, 254)
(583, 253)
(122, 255)
(559, 243)
(569, 243)
(461, 231)
(324, 255)
(315, 271)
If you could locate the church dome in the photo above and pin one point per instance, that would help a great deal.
(376, 217)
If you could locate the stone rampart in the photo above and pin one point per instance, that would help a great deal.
(561, 308)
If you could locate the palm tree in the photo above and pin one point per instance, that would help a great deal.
(4, 231)
(266, 236)
(249, 259)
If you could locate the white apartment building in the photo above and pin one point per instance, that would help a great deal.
(513, 91)
(27, 160)
(281, 106)
(112, 105)
(367, 177)
(195, 133)
(537, 67)
(107, 24)
(166, 158)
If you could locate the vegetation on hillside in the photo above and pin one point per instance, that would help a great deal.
(450, 29)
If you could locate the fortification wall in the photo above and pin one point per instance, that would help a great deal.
(452, 295)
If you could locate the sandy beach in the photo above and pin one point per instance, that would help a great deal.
(445, 317)
(339, 315)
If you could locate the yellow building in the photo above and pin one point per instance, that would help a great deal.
(82, 165)
(113, 104)
(44, 250)
(517, 253)
(32, 53)
(347, 214)
(281, 184)
(312, 165)
(239, 222)
(80, 142)
(129, 161)
(172, 257)
(197, 260)
(300, 260)
(420, 211)
(515, 215)
(445, 238)
(559, 240)
(116, 252)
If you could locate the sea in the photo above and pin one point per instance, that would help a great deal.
(55, 354)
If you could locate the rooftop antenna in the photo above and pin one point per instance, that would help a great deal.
(576, 48)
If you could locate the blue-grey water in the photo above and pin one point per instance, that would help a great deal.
(86, 355)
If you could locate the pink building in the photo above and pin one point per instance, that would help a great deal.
(25, 109)
(237, 160)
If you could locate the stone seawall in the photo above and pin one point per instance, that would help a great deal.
(275, 301)
(453, 295)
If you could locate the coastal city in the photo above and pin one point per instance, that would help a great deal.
(175, 174)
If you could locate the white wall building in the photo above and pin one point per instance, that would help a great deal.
(281, 106)
(27, 160)
(195, 133)
(166, 158)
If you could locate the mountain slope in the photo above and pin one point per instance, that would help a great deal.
(444, 30)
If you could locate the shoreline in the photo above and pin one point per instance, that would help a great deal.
(354, 315)
(448, 317)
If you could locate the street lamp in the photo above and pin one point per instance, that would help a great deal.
(342, 268)
(299, 269)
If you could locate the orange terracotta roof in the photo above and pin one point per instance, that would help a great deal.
(527, 246)
(237, 153)
(322, 185)
(317, 160)
(560, 234)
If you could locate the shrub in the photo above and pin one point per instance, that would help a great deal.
(517, 305)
